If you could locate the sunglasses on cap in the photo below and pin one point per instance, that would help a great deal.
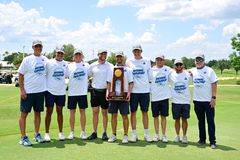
(178, 64)
(199, 60)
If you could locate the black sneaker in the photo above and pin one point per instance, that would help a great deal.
(200, 142)
(104, 136)
(92, 136)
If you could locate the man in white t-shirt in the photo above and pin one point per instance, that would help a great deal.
(32, 83)
(77, 92)
(122, 106)
(140, 93)
(180, 98)
(98, 71)
(56, 91)
(204, 99)
(160, 94)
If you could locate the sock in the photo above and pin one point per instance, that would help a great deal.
(145, 131)
(134, 132)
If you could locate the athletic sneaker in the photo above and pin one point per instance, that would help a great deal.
(83, 135)
(113, 138)
(92, 136)
(200, 142)
(61, 136)
(156, 138)
(147, 138)
(164, 139)
(47, 137)
(125, 139)
(134, 138)
(38, 138)
(184, 140)
(25, 141)
(71, 135)
(104, 136)
(176, 139)
(213, 146)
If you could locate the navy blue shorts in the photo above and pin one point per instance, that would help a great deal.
(35, 100)
(141, 98)
(180, 110)
(160, 108)
(122, 106)
(50, 99)
(80, 100)
(98, 98)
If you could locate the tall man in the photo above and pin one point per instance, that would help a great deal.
(180, 98)
(98, 71)
(160, 94)
(140, 93)
(204, 99)
(32, 83)
(56, 91)
(123, 105)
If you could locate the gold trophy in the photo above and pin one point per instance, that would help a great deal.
(117, 91)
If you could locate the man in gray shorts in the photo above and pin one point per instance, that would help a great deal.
(121, 105)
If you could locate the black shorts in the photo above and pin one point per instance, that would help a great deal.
(160, 108)
(50, 99)
(180, 110)
(98, 98)
(35, 100)
(80, 100)
(141, 98)
(122, 106)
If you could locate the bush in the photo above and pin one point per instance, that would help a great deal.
(238, 82)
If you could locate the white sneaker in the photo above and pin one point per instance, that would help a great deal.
(113, 138)
(47, 137)
(61, 136)
(164, 139)
(147, 138)
(156, 138)
(125, 139)
(83, 135)
(71, 135)
(184, 140)
(176, 139)
(134, 138)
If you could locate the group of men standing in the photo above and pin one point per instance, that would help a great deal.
(40, 78)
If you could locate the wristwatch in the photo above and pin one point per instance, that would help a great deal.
(213, 97)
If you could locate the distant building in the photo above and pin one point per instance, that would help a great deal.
(6, 66)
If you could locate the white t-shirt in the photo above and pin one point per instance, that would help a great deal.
(56, 73)
(159, 83)
(99, 73)
(179, 87)
(34, 70)
(128, 78)
(140, 69)
(202, 82)
(78, 79)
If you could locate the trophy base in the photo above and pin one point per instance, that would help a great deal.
(113, 97)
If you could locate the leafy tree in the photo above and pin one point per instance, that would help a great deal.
(235, 56)
(112, 59)
(169, 62)
(69, 51)
(188, 62)
(9, 56)
(223, 64)
(212, 63)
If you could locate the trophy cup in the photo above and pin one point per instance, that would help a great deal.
(117, 91)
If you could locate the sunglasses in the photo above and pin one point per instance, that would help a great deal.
(38, 46)
(178, 64)
(199, 60)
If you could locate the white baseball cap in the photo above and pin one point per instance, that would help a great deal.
(36, 42)
(119, 53)
(137, 47)
(60, 49)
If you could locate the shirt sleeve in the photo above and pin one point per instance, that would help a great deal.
(110, 75)
(150, 75)
(22, 68)
(213, 76)
(130, 75)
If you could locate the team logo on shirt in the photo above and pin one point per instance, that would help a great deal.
(79, 74)
(138, 72)
(179, 87)
(58, 74)
(199, 81)
(39, 68)
(161, 79)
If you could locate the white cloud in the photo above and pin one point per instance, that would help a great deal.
(2, 39)
(232, 28)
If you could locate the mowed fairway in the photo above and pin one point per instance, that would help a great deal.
(227, 132)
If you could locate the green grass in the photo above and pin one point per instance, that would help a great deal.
(227, 73)
(227, 132)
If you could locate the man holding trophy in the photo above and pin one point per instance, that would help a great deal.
(119, 87)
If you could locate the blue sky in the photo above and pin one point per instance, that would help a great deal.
(175, 28)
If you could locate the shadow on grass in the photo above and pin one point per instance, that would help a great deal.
(59, 144)
(139, 143)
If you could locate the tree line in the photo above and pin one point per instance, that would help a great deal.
(233, 61)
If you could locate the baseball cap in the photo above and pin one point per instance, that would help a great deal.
(160, 56)
(78, 51)
(60, 49)
(138, 47)
(36, 42)
(119, 53)
(200, 56)
(178, 61)
(102, 51)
